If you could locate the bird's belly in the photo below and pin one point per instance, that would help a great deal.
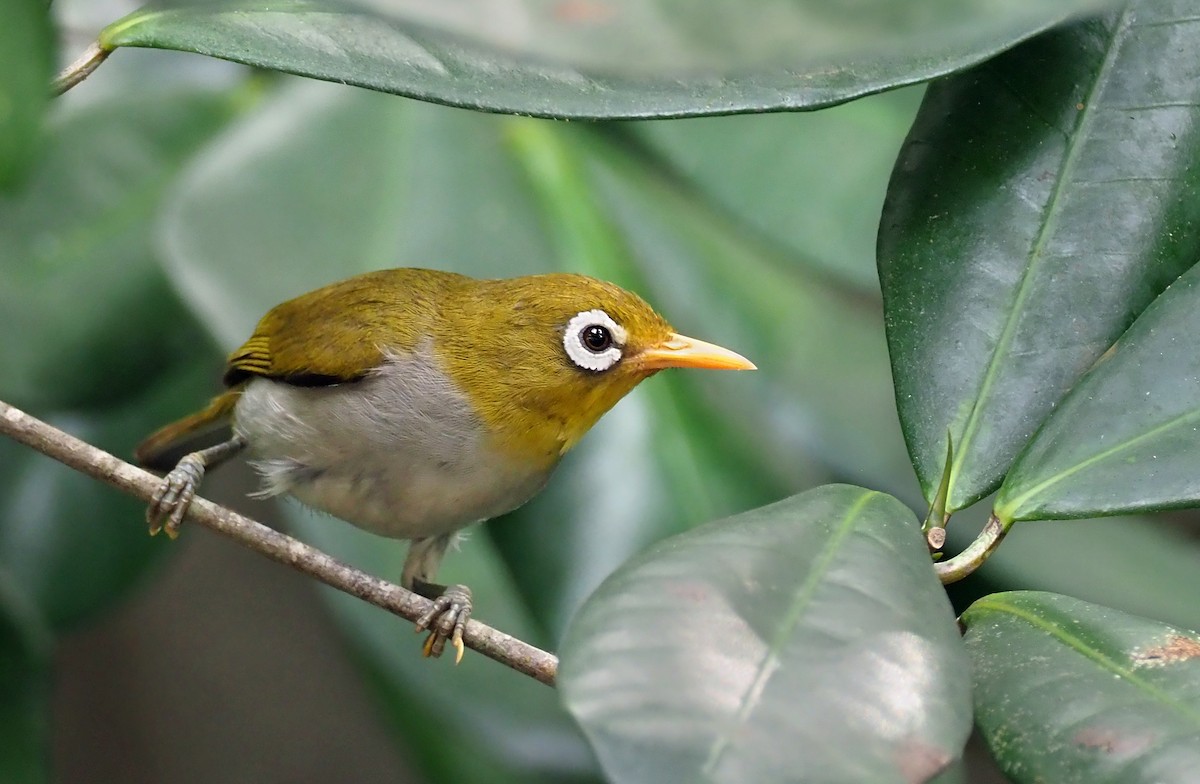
(399, 453)
(412, 499)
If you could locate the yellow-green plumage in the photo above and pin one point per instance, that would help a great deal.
(499, 340)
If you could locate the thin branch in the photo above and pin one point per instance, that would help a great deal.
(978, 551)
(83, 457)
(81, 69)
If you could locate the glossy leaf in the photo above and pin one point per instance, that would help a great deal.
(1072, 692)
(1127, 438)
(618, 58)
(79, 280)
(76, 545)
(513, 726)
(809, 183)
(1040, 203)
(799, 641)
(26, 61)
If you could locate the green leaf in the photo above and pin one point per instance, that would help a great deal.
(513, 726)
(1127, 438)
(1040, 203)
(26, 60)
(798, 641)
(1069, 692)
(79, 281)
(810, 183)
(620, 58)
(72, 543)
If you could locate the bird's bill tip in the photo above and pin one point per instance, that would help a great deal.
(679, 351)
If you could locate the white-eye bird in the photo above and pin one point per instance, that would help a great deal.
(412, 403)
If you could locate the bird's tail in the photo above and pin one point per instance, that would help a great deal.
(163, 448)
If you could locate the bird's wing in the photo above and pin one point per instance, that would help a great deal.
(304, 353)
(338, 333)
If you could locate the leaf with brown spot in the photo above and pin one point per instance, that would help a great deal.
(1179, 648)
(1059, 697)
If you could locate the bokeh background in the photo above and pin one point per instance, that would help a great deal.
(177, 198)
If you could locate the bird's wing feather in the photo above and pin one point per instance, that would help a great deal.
(341, 332)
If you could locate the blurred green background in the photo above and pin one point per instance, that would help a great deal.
(173, 199)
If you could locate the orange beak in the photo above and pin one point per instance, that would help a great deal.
(679, 351)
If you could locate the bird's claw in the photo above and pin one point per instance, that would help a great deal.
(446, 620)
(173, 497)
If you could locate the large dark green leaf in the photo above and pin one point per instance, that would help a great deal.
(618, 58)
(1072, 692)
(1040, 203)
(73, 544)
(26, 60)
(79, 281)
(807, 640)
(812, 183)
(1127, 438)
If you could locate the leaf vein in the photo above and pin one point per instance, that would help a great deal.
(1045, 230)
(1087, 651)
(799, 603)
(1050, 481)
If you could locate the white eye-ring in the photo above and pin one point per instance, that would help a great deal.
(593, 340)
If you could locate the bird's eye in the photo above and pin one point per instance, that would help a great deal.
(596, 338)
(593, 340)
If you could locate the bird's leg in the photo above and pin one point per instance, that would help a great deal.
(178, 488)
(451, 609)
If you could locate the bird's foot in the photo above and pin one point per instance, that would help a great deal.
(173, 497)
(446, 620)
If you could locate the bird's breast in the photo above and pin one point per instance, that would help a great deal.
(401, 452)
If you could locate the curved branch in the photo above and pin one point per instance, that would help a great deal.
(87, 459)
(81, 69)
(954, 569)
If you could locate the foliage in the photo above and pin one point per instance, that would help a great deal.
(1029, 307)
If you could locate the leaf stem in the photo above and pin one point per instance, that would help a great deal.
(970, 559)
(87, 459)
(81, 69)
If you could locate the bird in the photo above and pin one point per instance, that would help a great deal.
(413, 403)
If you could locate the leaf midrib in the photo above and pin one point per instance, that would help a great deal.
(1087, 651)
(799, 604)
(1007, 511)
(1045, 232)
